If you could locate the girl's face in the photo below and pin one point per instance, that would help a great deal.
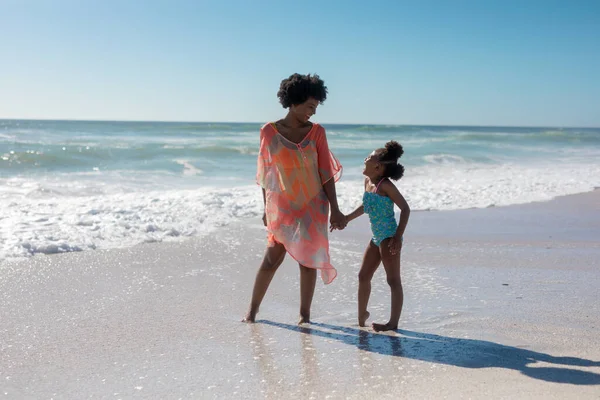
(303, 112)
(373, 169)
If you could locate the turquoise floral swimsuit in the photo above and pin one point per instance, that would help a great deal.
(381, 214)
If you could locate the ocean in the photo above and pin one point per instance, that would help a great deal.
(79, 185)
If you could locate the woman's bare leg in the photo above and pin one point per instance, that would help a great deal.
(308, 281)
(274, 256)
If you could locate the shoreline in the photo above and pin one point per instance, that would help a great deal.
(585, 199)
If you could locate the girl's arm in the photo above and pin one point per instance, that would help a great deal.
(347, 218)
(390, 190)
(359, 211)
(356, 213)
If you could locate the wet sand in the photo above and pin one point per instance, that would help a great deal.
(499, 303)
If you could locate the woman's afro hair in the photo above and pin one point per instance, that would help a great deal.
(298, 88)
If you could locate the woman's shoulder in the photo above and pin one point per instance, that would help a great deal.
(316, 131)
(268, 130)
(268, 126)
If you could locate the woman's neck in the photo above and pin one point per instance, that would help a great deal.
(292, 122)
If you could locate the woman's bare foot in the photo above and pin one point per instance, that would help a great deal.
(304, 319)
(384, 327)
(250, 317)
(362, 320)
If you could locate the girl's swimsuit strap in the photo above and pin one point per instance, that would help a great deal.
(377, 187)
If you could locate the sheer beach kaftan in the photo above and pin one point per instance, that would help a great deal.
(297, 207)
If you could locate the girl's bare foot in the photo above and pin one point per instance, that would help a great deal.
(384, 327)
(362, 320)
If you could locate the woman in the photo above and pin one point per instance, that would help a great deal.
(297, 173)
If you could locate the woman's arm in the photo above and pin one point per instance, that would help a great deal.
(264, 218)
(337, 219)
(329, 188)
(329, 171)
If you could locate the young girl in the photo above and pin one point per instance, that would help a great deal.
(297, 173)
(378, 202)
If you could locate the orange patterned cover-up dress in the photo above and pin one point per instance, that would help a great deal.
(297, 207)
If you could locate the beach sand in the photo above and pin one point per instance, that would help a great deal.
(500, 303)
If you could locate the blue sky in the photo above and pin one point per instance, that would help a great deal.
(390, 62)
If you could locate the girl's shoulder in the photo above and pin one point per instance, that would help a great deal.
(387, 186)
(371, 187)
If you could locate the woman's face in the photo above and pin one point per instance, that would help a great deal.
(303, 112)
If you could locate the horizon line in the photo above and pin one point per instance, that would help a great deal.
(322, 123)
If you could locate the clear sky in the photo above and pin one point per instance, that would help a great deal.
(480, 62)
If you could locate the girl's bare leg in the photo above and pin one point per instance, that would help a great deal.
(274, 256)
(371, 261)
(391, 263)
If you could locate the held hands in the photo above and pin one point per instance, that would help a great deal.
(337, 220)
(395, 245)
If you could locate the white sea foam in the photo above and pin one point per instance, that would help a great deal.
(443, 159)
(38, 217)
(70, 223)
(188, 168)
